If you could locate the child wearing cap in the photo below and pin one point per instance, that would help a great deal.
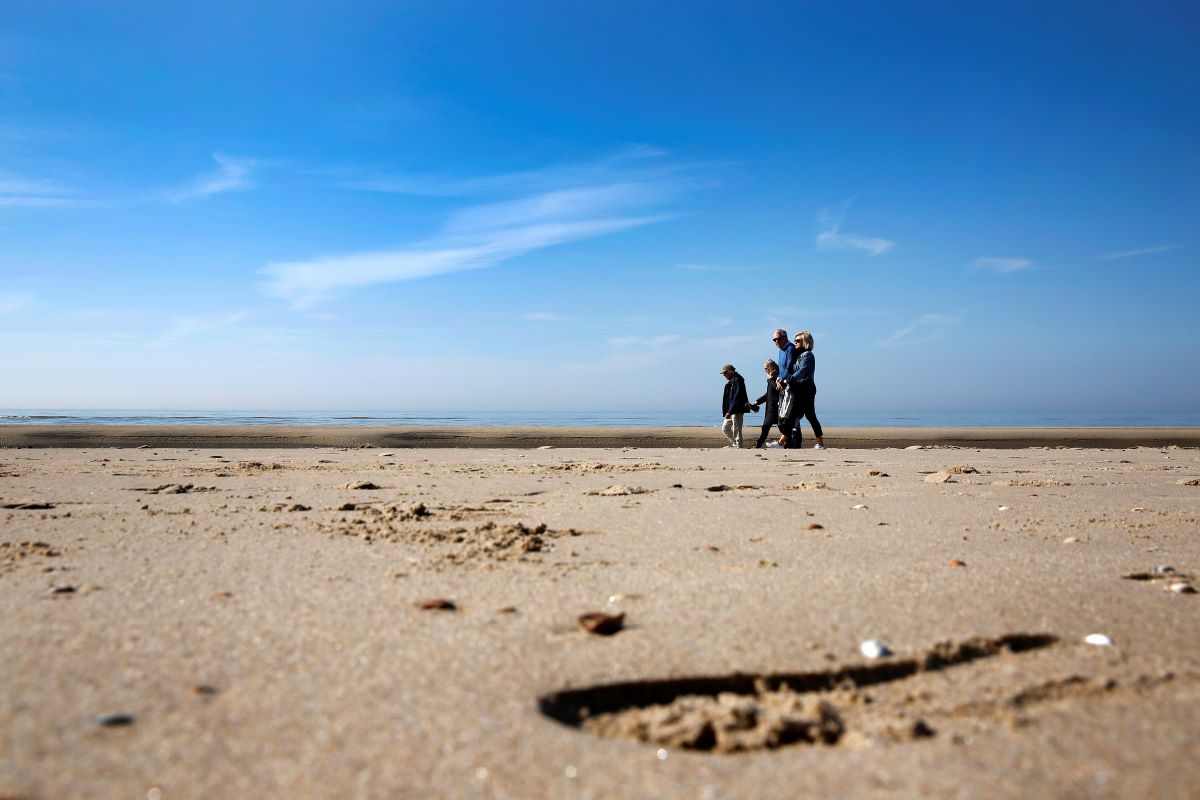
(734, 401)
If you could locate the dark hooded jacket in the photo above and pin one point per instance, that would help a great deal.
(734, 400)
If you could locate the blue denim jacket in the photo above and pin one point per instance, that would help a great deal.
(804, 366)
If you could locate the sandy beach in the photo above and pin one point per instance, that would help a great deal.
(187, 618)
(229, 436)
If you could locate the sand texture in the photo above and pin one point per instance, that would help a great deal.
(232, 436)
(404, 623)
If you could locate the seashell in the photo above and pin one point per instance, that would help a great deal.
(1003, 508)
(873, 648)
(1182, 588)
(600, 623)
(1071, 540)
(814, 526)
(954, 562)
(437, 604)
(1098, 639)
(361, 485)
(859, 507)
(1165, 569)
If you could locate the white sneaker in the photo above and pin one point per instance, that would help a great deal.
(819, 447)
(774, 444)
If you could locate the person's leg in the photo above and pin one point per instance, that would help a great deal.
(727, 429)
(737, 431)
(810, 413)
(795, 434)
(766, 431)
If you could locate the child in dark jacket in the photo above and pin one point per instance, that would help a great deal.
(771, 399)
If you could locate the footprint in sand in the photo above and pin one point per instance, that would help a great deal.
(863, 704)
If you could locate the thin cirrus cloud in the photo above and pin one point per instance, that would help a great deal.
(32, 193)
(634, 160)
(831, 237)
(923, 329)
(482, 236)
(15, 301)
(546, 316)
(231, 175)
(1001, 265)
(1141, 251)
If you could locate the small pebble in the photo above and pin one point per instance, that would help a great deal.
(1098, 639)
(114, 720)
(1071, 540)
(1182, 588)
(661, 754)
(1165, 569)
(954, 562)
(873, 648)
(1003, 508)
(63, 590)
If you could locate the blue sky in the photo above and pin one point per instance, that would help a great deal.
(567, 206)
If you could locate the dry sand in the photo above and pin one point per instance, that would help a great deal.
(570, 436)
(257, 621)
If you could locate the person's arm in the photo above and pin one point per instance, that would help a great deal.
(742, 400)
(804, 368)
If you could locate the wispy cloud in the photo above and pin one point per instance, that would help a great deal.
(922, 329)
(830, 236)
(183, 327)
(33, 193)
(546, 316)
(15, 301)
(653, 342)
(1141, 251)
(482, 236)
(633, 158)
(1001, 265)
(231, 175)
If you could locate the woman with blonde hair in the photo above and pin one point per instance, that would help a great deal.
(804, 374)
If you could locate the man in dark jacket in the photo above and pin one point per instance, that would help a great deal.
(733, 405)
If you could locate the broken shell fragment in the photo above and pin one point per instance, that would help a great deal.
(437, 604)
(1182, 588)
(954, 562)
(600, 623)
(1098, 639)
(873, 648)
(859, 507)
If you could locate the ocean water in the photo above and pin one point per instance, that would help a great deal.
(829, 418)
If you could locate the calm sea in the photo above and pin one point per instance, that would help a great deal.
(593, 418)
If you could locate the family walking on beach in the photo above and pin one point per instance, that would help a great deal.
(790, 396)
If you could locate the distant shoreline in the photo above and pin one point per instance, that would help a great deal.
(526, 437)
